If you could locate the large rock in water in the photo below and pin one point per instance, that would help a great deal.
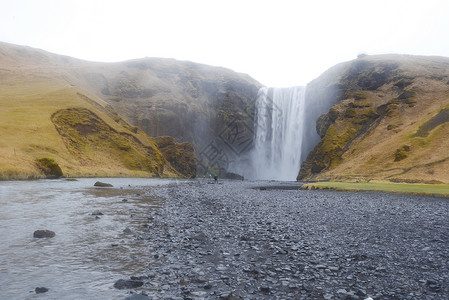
(379, 106)
(44, 234)
(41, 290)
(137, 297)
(122, 284)
(102, 184)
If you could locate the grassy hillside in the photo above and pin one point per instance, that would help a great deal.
(390, 121)
(44, 115)
(406, 188)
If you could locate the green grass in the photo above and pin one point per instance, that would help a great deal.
(403, 188)
(28, 133)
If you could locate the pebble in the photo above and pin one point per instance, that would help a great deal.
(234, 241)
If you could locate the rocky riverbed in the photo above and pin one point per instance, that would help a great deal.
(237, 241)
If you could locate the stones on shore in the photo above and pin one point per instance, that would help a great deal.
(127, 230)
(39, 234)
(229, 242)
(137, 297)
(123, 284)
(41, 290)
(102, 184)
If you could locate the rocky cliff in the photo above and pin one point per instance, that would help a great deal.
(388, 120)
(210, 107)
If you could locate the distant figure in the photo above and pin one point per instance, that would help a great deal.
(216, 178)
(243, 177)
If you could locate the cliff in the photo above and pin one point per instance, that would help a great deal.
(191, 102)
(388, 120)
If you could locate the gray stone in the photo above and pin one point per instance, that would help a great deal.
(44, 234)
(102, 184)
(41, 290)
(137, 297)
(122, 284)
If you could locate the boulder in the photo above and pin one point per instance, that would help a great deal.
(102, 184)
(41, 290)
(122, 284)
(44, 234)
(137, 297)
(49, 168)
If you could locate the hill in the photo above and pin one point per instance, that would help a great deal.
(388, 121)
(45, 116)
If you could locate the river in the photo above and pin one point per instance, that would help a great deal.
(88, 253)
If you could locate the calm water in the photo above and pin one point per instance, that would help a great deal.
(80, 262)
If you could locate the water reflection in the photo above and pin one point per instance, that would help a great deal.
(88, 253)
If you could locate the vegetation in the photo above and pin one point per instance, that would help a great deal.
(401, 153)
(46, 112)
(49, 167)
(180, 155)
(407, 188)
(398, 131)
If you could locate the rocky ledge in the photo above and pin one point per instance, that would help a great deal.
(234, 241)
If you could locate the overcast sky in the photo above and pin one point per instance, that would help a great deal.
(279, 43)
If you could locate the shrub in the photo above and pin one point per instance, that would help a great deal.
(401, 153)
(350, 113)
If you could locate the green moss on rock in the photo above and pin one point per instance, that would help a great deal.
(180, 155)
(89, 138)
(49, 167)
(350, 112)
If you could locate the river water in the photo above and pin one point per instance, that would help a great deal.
(88, 254)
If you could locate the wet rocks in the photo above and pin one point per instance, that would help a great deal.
(40, 290)
(122, 284)
(102, 184)
(127, 230)
(233, 241)
(137, 297)
(43, 234)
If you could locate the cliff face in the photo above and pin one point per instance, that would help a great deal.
(389, 120)
(180, 155)
(191, 102)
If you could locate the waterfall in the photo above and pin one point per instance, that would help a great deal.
(278, 131)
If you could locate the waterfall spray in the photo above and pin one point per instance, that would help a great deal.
(279, 125)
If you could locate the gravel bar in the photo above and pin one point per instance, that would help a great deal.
(235, 240)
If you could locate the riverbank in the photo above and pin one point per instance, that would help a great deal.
(404, 188)
(237, 241)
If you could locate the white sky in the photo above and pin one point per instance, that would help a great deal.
(279, 43)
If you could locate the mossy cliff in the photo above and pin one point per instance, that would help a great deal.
(388, 120)
(86, 136)
(180, 155)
